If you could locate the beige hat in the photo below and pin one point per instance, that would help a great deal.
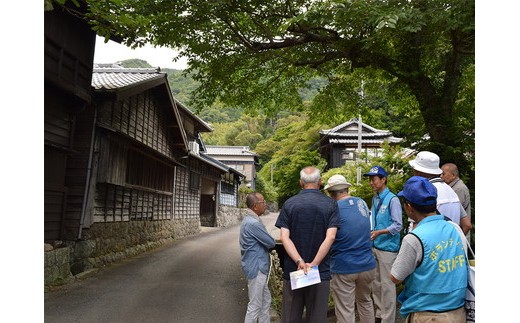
(426, 162)
(337, 182)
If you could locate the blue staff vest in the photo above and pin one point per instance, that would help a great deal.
(441, 278)
(382, 219)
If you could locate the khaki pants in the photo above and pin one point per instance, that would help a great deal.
(455, 316)
(383, 289)
(349, 290)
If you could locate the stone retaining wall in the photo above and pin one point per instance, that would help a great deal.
(56, 264)
(107, 243)
(229, 216)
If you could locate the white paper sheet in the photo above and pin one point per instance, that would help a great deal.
(299, 279)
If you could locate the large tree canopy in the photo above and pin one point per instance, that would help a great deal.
(258, 54)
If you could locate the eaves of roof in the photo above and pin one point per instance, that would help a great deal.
(204, 124)
(211, 162)
(366, 141)
(334, 131)
(229, 151)
(218, 162)
(364, 135)
(123, 82)
(104, 78)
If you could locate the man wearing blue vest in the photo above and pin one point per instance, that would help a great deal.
(387, 221)
(431, 260)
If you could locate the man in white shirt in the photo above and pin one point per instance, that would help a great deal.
(426, 164)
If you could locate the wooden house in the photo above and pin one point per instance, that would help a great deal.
(123, 168)
(68, 61)
(145, 180)
(339, 145)
(240, 158)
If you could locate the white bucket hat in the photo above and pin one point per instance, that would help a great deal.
(426, 162)
(337, 182)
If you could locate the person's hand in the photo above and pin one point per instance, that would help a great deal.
(307, 267)
(374, 235)
(300, 264)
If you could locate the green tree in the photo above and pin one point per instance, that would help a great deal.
(259, 55)
(246, 131)
(393, 160)
(297, 149)
(135, 63)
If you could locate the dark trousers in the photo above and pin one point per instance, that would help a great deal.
(314, 298)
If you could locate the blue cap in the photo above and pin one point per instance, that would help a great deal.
(419, 191)
(377, 170)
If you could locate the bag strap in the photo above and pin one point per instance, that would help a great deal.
(467, 245)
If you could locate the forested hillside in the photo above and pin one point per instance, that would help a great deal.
(287, 140)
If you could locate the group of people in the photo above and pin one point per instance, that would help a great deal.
(359, 251)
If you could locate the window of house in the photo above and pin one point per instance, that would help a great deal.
(227, 188)
(348, 155)
(194, 181)
(148, 172)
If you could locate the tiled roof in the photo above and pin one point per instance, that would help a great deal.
(221, 164)
(390, 139)
(229, 151)
(351, 126)
(116, 77)
(348, 133)
(110, 78)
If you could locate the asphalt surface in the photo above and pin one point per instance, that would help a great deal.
(196, 279)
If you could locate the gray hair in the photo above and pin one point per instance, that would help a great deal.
(310, 174)
(251, 199)
(452, 168)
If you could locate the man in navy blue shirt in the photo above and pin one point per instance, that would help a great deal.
(255, 243)
(308, 224)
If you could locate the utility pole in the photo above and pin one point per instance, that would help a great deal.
(360, 137)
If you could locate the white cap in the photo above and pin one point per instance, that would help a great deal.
(426, 162)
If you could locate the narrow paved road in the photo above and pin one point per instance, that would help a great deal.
(197, 279)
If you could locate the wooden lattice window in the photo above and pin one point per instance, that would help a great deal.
(148, 172)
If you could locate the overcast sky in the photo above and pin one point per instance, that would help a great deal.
(112, 52)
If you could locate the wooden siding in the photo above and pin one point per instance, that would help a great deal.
(123, 164)
(77, 172)
(114, 203)
(54, 210)
(337, 160)
(132, 185)
(112, 161)
(142, 118)
(58, 118)
(68, 58)
(67, 133)
(186, 200)
(69, 52)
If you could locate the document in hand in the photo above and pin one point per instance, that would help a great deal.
(299, 279)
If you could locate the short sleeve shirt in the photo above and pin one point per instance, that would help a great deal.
(308, 215)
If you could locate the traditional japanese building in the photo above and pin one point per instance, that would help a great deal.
(339, 145)
(239, 158)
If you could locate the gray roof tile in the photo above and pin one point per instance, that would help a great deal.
(229, 150)
(110, 78)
